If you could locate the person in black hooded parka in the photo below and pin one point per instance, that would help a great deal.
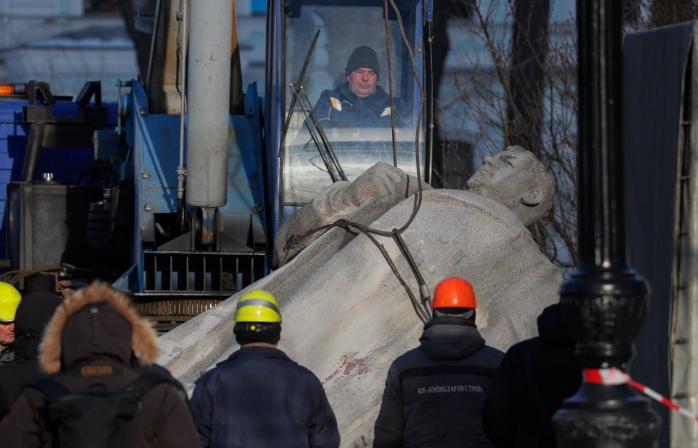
(33, 314)
(93, 349)
(434, 393)
(535, 376)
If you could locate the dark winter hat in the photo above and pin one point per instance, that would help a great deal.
(363, 57)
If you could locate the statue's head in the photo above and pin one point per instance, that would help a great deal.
(518, 180)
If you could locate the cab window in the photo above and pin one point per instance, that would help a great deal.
(345, 110)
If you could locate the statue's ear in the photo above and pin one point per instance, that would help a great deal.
(532, 197)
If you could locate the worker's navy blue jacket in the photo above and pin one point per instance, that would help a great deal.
(434, 393)
(342, 108)
(260, 398)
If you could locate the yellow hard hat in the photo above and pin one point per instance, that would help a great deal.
(258, 306)
(9, 301)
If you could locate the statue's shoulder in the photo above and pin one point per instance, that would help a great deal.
(478, 203)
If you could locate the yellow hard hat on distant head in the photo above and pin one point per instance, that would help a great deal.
(9, 301)
(258, 305)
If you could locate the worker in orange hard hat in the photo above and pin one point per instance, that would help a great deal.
(454, 296)
(434, 393)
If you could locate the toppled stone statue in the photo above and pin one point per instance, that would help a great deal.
(350, 317)
(358, 317)
(365, 199)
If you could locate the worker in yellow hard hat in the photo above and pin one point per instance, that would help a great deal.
(9, 301)
(266, 398)
(257, 319)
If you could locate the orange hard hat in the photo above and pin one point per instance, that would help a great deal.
(454, 292)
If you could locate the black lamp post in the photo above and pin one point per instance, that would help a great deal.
(604, 300)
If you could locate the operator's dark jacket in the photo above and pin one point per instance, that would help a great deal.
(534, 378)
(7, 355)
(92, 340)
(260, 398)
(434, 393)
(33, 314)
(348, 110)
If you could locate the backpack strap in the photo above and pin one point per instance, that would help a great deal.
(152, 376)
(149, 378)
(50, 387)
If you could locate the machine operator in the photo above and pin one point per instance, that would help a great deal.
(359, 101)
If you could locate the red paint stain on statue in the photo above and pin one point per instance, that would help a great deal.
(349, 365)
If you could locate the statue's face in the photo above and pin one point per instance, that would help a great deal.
(505, 176)
(514, 178)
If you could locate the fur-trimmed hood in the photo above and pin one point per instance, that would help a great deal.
(96, 322)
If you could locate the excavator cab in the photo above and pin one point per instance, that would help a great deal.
(310, 43)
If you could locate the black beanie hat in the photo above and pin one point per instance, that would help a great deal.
(363, 57)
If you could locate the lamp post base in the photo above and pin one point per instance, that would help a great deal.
(600, 416)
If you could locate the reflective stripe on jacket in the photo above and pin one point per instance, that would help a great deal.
(341, 108)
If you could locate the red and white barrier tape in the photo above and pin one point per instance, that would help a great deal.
(614, 377)
(607, 377)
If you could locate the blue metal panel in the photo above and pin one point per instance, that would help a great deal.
(13, 140)
(155, 154)
(156, 157)
(245, 170)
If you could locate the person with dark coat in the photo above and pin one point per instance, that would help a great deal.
(535, 377)
(259, 397)
(358, 102)
(96, 344)
(9, 301)
(434, 393)
(33, 314)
